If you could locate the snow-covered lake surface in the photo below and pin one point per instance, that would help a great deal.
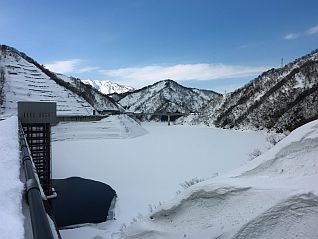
(272, 196)
(144, 164)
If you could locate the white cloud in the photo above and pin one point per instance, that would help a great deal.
(141, 76)
(291, 36)
(63, 67)
(70, 66)
(88, 69)
(312, 30)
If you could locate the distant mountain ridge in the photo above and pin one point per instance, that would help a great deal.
(166, 96)
(24, 79)
(279, 99)
(108, 87)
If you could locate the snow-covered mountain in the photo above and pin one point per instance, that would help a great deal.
(279, 99)
(23, 79)
(167, 96)
(108, 87)
(273, 196)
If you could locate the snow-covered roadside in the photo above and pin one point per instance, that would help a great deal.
(11, 217)
(273, 196)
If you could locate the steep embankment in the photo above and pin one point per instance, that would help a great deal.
(23, 79)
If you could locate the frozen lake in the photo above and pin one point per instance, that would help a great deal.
(145, 164)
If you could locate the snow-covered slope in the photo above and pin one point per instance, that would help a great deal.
(112, 127)
(108, 87)
(167, 96)
(279, 99)
(273, 196)
(23, 79)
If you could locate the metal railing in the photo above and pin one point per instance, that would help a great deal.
(40, 224)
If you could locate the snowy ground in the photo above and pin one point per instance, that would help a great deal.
(11, 218)
(145, 164)
(273, 196)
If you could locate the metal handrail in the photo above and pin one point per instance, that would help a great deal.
(40, 224)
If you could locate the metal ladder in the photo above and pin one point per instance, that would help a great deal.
(38, 138)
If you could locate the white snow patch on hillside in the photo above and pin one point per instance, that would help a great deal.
(11, 218)
(273, 196)
(148, 169)
(108, 87)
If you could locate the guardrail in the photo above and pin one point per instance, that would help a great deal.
(40, 224)
(83, 118)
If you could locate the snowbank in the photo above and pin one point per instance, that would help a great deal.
(295, 155)
(11, 218)
(273, 196)
(113, 127)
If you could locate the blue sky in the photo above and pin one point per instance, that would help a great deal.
(206, 44)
